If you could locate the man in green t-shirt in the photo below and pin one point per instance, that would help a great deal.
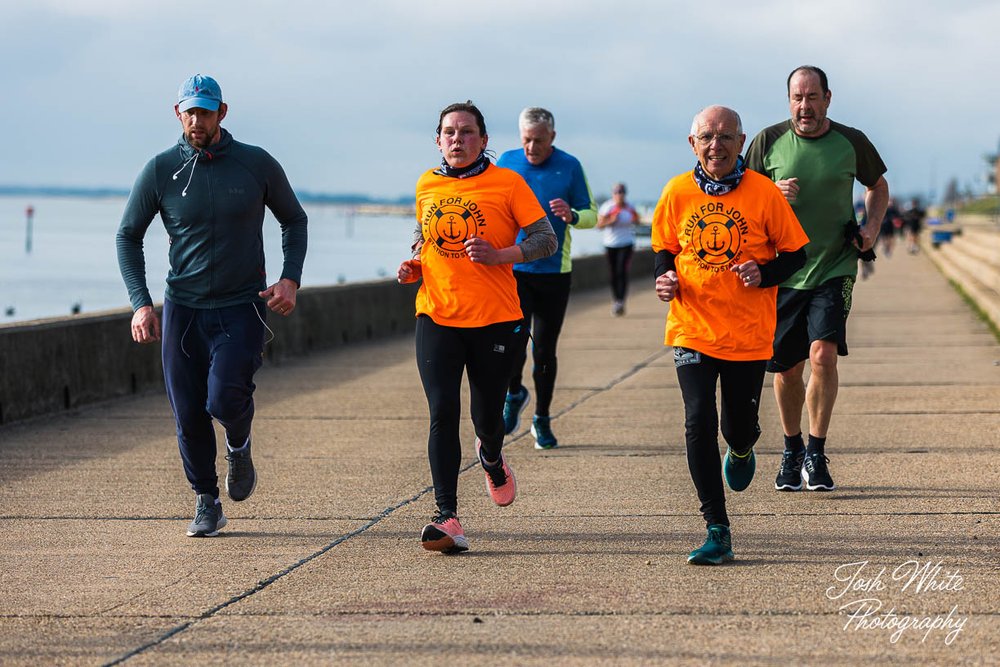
(814, 161)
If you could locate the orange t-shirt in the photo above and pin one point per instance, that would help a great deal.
(713, 311)
(493, 205)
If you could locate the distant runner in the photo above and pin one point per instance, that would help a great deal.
(618, 220)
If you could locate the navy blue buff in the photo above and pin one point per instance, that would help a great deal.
(474, 169)
(718, 188)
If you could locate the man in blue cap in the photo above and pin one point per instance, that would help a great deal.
(210, 192)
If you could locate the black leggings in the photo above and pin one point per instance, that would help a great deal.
(443, 353)
(544, 297)
(619, 260)
(741, 383)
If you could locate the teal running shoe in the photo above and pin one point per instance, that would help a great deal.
(717, 549)
(738, 470)
(513, 406)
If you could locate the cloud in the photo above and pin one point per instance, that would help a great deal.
(346, 95)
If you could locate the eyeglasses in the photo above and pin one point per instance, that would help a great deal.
(617, 192)
(706, 139)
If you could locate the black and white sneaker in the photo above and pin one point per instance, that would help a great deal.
(815, 473)
(790, 474)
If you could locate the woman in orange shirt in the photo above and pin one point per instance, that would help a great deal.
(469, 212)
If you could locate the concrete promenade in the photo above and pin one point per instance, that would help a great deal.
(323, 564)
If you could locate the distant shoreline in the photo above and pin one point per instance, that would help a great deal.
(60, 191)
(365, 205)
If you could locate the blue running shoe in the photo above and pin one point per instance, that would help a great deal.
(738, 470)
(513, 406)
(717, 549)
(542, 430)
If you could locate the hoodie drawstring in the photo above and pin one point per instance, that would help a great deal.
(193, 159)
(222, 326)
(184, 335)
(267, 328)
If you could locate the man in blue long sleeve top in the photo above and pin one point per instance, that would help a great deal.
(558, 181)
(210, 192)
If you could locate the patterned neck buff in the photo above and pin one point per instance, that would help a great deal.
(718, 188)
(477, 167)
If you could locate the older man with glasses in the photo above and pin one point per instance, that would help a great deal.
(724, 237)
(543, 285)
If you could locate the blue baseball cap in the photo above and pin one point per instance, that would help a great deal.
(199, 91)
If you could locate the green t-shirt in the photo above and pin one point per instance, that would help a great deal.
(826, 168)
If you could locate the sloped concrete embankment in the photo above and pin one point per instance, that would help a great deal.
(971, 260)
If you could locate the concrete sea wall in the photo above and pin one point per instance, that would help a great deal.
(63, 363)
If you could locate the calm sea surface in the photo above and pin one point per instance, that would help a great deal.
(72, 262)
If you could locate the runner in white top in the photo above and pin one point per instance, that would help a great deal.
(618, 219)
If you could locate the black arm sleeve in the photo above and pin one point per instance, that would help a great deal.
(781, 268)
(665, 261)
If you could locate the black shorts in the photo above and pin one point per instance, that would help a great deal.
(808, 315)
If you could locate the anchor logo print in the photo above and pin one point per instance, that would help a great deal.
(451, 225)
(716, 239)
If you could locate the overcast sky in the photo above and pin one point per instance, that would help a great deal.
(346, 94)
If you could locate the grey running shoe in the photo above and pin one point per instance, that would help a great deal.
(208, 517)
(242, 478)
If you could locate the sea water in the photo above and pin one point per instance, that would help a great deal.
(71, 265)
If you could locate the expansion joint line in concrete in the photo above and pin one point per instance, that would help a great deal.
(264, 583)
(609, 386)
